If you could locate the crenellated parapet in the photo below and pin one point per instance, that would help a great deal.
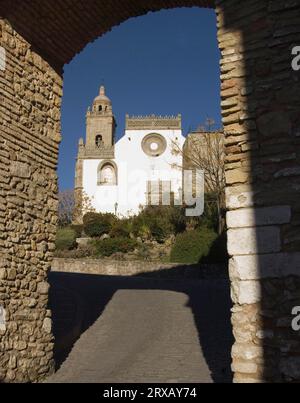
(153, 122)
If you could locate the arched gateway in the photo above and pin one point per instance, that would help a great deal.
(260, 107)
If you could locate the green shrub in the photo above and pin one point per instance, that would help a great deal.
(90, 217)
(140, 228)
(210, 217)
(65, 239)
(108, 247)
(159, 232)
(159, 222)
(78, 229)
(97, 224)
(178, 219)
(79, 253)
(190, 247)
(144, 232)
(97, 229)
(121, 229)
(143, 252)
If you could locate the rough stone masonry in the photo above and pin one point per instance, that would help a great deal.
(260, 108)
(30, 132)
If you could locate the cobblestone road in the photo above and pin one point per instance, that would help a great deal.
(149, 330)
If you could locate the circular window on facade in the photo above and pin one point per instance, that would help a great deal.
(154, 145)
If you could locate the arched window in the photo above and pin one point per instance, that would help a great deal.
(99, 140)
(107, 174)
(100, 108)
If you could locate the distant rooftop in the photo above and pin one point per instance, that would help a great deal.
(152, 122)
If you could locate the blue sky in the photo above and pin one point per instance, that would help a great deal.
(163, 63)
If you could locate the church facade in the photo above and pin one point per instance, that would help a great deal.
(139, 169)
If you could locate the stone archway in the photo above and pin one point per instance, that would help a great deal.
(260, 107)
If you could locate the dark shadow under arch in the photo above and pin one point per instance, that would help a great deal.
(90, 294)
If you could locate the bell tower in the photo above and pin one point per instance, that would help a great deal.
(100, 145)
(100, 123)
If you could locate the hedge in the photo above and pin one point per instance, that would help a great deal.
(97, 224)
(108, 247)
(192, 246)
(65, 239)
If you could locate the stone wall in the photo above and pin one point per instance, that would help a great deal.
(260, 107)
(30, 134)
(109, 267)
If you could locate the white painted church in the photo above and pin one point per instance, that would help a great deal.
(140, 169)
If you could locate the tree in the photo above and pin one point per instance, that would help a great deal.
(83, 204)
(206, 151)
(66, 207)
(210, 123)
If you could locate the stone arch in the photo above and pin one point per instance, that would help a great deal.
(76, 34)
(260, 105)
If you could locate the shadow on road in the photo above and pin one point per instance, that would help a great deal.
(77, 301)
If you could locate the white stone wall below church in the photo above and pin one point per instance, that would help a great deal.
(135, 169)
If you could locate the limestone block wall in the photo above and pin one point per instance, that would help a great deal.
(109, 267)
(29, 137)
(260, 108)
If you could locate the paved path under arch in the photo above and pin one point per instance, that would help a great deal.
(151, 330)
